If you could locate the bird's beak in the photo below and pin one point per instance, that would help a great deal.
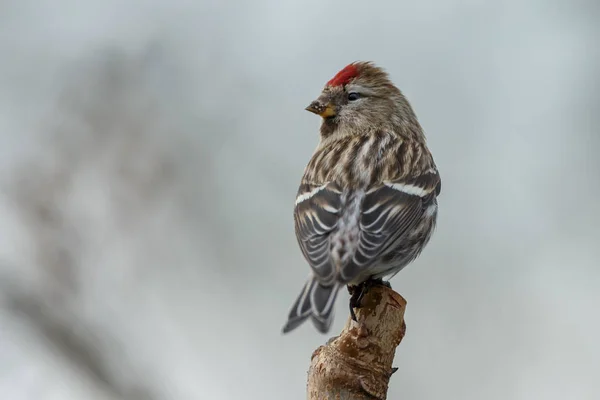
(319, 108)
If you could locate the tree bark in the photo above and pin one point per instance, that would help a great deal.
(357, 365)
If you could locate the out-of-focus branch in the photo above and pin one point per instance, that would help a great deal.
(357, 365)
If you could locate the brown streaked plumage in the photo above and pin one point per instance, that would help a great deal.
(367, 203)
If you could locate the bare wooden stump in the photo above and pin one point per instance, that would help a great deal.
(357, 365)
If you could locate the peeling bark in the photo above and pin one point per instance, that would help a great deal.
(357, 365)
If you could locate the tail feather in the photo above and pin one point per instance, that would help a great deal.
(315, 301)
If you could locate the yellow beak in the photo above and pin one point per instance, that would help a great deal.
(318, 108)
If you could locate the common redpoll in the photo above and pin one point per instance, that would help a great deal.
(367, 203)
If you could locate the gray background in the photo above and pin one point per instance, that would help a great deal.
(150, 153)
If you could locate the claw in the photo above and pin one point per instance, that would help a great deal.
(352, 314)
(358, 292)
(355, 292)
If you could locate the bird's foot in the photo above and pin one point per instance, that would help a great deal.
(355, 294)
(358, 292)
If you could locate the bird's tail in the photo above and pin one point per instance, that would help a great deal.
(315, 301)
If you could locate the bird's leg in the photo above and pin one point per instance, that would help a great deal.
(355, 293)
(358, 292)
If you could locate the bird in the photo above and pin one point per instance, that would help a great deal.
(367, 201)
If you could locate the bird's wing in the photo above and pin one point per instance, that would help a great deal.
(389, 211)
(316, 214)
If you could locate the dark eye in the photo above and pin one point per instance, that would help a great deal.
(353, 96)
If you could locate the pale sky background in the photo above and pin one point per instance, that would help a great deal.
(150, 153)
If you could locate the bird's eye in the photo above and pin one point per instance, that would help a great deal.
(353, 96)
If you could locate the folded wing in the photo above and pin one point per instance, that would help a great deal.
(389, 210)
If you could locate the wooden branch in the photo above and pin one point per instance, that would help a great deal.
(357, 365)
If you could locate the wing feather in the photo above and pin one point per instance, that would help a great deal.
(316, 215)
(389, 211)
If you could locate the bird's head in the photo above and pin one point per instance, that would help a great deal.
(360, 98)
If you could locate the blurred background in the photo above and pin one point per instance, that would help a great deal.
(150, 153)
